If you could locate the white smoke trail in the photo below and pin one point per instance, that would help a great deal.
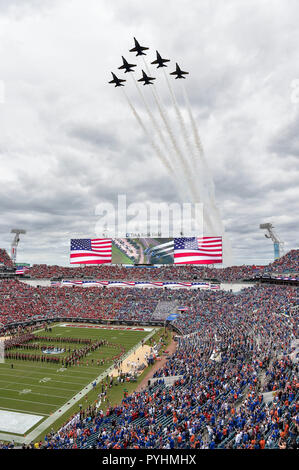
(192, 161)
(180, 118)
(186, 177)
(199, 181)
(195, 167)
(193, 123)
(182, 169)
(201, 160)
(156, 148)
(153, 120)
(206, 181)
(193, 177)
(164, 117)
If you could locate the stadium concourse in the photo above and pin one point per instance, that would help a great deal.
(236, 359)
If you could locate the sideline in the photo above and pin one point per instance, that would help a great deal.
(171, 348)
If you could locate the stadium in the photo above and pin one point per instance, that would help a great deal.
(169, 366)
(145, 153)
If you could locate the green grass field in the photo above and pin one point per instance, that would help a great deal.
(43, 388)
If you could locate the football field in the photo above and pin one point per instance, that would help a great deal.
(34, 393)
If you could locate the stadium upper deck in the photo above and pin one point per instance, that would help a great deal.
(5, 259)
(288, 263)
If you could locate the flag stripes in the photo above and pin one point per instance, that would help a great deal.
(91, 251)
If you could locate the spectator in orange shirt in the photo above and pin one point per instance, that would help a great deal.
(262, 443)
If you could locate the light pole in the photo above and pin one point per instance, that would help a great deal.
(15, 243)
(277, 243)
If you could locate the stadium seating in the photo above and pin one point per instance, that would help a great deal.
(216, 404)
(233, 348)
(286, 264)
(289, 263)
(5, 260)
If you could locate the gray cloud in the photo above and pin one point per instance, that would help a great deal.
(92, 135)
(287, 143)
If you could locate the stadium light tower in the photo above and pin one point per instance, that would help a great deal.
(15, 243)
(278, 244)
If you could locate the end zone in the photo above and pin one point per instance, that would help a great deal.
(16, 422)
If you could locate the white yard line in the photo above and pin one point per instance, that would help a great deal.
(32, 393)
(75, 369)
(20, 383)
(30, 401)
(41, 386)
(73, 376)
(60, 381)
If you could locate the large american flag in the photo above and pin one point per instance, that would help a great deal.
(91, 251)
(195, 250)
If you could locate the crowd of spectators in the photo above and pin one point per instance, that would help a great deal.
(217, 402)
(21, 302)
(233, 349)
(5, 259)
(288, 263)
(162, 273)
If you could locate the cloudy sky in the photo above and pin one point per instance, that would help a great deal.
(68, 140)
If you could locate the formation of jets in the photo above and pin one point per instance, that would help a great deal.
(160, 62)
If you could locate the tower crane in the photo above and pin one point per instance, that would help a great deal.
(15, 243)
(278, 244)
